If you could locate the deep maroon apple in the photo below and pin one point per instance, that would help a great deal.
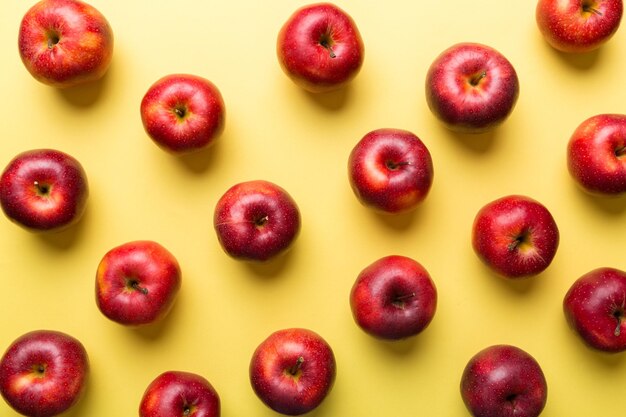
(256, 220)
(503, 381)
(292, 371)
(516, 236)
(595, 307)
(596, 154)
(137, 283)
(43, 373)
(44, 190)
(393, 298)
(180, 394)
(471, 88)
(390, 170)
(320, 48)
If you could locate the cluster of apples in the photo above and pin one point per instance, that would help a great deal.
(470, 88)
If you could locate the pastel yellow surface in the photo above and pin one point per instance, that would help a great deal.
(277, 132)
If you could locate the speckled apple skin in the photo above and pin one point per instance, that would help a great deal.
(390, 170)
(270, 371)
(596, 154)
(393, 298)
(58, 387)
(568, 27)
(256, 221)
(459, 104)
(178, 394)
(595, 307)
(503, 381)
(309, 64)
(497, 226)
(58, 209)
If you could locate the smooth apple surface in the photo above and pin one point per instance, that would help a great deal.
(516, 236)
(595, 307)
(390, 170)
(320, 48)
(137, 283)
(596, 154)
(183, 113)
(44, 190)
(43, 373)
(64, 43)
(393, 298)
(471, 88)
(503, 381)
(180, 394)
(578, 26)
(256, 221)
(292, 371)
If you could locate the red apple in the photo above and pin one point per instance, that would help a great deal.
(137, 283)
(178, 394)
(390, 170)
(516, 236)
(578, 26)
(596, 154)
(320, 48)
(43, 373)
(292, 371)
(183, 113)
(503, 381)
(595, 307)
(256, 221)
(64, 43)
(471, 88)
(393, 298)
(44, 190)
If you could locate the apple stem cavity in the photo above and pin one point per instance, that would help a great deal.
(262, 221)
(620, 151)
(42, 189)
(326, 43)
(134, 284)
(588, 8)
(53, 39)
(296, 367)
(475, 79)
(618, 317)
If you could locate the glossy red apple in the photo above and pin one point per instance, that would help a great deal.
(292, 371)
(137, 283)
(595, 307)
(183, 113)
(390, 170)
(503, 381)
(596, 154)
(43, 373)
(320, 48)
(180, 394)
(44, 190)
(393, 298)
(256, 221)
(471, 88)
(578, 26)
(64, 43)
(516, 236)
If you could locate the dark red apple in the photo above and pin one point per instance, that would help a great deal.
(180, 394)
(183, 113)
(137, 283)
(390, 170)
(64, 43)
(44, 190)
(256, 221)
(320, 48)
(393, 298)
(471, 88)
(595, 307)
(596, 154)
(43, 373)
(292, 371)
(516, 236)
(503, 381)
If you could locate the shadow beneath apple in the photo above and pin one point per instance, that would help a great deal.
(332, 100)
(271, 268)
(580, 61)
(612, 205)
(520, 286)
(85, 95)
(66, 238)
(400, 221)
(154, 331)
(477, 142)
(199, 161)
(402, 347)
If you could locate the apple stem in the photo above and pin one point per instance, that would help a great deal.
(296, 367)
(135, 285)
(618, 328)
(326, 45)
(620, 151)
(475, 80)
(405, 297)
(590, 9)
(395, 165)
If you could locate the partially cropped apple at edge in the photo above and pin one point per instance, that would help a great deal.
(64, 43)
(44, 190)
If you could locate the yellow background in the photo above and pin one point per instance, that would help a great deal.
(277, 132)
